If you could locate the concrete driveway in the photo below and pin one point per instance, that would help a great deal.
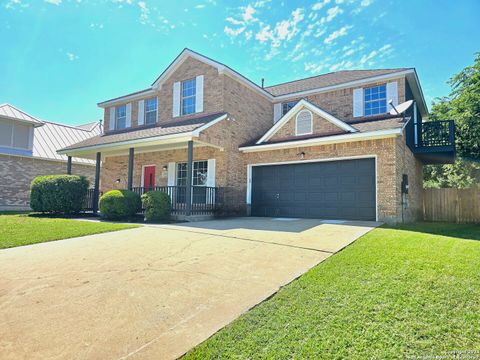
(152, 292)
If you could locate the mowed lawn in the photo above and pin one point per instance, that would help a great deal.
(396, 292)
(22, 229)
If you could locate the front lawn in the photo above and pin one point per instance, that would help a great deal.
(396, 292)
(18, 230)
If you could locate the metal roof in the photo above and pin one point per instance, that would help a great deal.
(11, 112)
(52, 136)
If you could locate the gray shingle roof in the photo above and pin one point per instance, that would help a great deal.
(176, 127)
(324, 80)
(10, 111)
(51, 137)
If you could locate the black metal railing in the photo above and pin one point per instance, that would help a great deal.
(436, 133)
(88, 203)
(203, 198)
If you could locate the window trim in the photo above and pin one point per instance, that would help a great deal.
(311, 123)
(376, 100)
(123, 117)
(29, 147)
(145, 111)
(193, 167)
(294, 102)
(194, 96)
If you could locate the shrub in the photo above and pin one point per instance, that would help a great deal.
(119, 204)
(157, 206)
(61, 194)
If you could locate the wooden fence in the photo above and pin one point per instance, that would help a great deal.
(452, 205)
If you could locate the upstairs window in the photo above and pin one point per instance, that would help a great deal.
(151, 111)
(287, 106)
(375, 100)
(188, 97)
(120, 121)
(15, 135)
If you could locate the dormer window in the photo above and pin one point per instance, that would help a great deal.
(188, 96)
(151, 111)
(121, 117)
(375, 100)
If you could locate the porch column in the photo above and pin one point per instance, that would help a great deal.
(131, 153)
(189, 177)
(69, 165)
(96, 189)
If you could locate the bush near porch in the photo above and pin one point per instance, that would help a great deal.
(58, 194)
(157, 206)
(119, 204)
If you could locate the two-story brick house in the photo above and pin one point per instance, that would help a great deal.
(321, 147)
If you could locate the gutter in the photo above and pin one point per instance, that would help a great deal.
(371, 135)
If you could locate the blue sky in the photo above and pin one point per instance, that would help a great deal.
(60, 57)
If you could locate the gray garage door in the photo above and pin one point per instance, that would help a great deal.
(325, 190)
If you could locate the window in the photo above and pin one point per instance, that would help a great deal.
(151, 111)
(303, 124)
(15, 135)
(121, 117)
(188, 96)
(375, 100)
(200, 173)
(287, 106)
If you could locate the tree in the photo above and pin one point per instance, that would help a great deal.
(463, 106)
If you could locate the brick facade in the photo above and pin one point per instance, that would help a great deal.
(339, 103)
(250, 115)
(320, 126)
(17, 173)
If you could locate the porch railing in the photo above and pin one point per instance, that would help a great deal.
(203, 198)
(88, 203)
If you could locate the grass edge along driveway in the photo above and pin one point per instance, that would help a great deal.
(21, 229)
(410, 290)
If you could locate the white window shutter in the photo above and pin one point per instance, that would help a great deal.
(141, 113)
(176, 99)
(111, 122)
(128, 118)
(277, 112)
(211, 172)
(357, 102)
(199, 94)
(171, 174)
(392, 94)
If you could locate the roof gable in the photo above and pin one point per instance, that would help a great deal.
(304, 104)
(11, 112)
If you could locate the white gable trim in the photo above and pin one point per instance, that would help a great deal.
(222, 69)
(315, 109)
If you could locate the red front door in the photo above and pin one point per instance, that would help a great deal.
(149, 177)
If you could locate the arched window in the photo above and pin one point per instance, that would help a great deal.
(303, 124)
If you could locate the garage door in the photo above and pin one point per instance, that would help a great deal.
(324, 190)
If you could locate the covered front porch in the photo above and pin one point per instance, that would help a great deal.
(183, 167)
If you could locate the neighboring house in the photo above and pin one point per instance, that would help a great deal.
(28, 148)
(321, 147)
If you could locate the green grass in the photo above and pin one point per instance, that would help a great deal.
(18, 230)
(396, 292)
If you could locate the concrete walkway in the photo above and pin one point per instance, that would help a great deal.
(153, 292)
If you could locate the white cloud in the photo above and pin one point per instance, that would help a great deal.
(248, 14)
(283, 30)
(234, 21)
(71, 56)
(199, 6)
(12, 4)
(365, 58)
(366, 3)
(341, 65)
(336, 34)
(319, 5)
(264, 34)
(144, 12)
(54, 2)
(313, 67)
(233, 32)
(333, 12)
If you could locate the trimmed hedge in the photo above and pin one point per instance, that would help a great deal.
(119, 204)
(60, 194)
(157, 206)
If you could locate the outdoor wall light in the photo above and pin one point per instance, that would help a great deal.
(302, 155)
(117, 181)
(164, 167)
